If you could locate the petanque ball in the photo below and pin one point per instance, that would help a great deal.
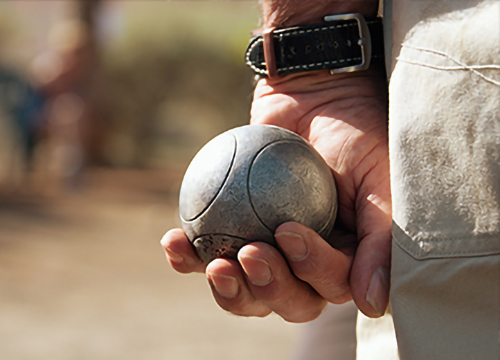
(246, 182)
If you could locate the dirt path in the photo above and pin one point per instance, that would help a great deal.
(83, 276)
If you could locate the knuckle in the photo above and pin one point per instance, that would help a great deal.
(229, 306)
(244, 308)
(332, 287)
(305, 273)
(256, 313)
(319, 278)
(302, 308)
(183, 269)
(312, 274)
(302, 317)
(329, 280)
(271, 296)
(194, 263)
(340, 298)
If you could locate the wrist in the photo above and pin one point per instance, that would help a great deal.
(286, 13)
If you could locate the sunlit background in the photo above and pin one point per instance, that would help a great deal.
(102, 106)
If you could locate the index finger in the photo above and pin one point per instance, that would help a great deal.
(316, 262)
(180, 253)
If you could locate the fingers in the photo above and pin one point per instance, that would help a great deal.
(180, 252)
(297, 288)
(256, 286)
(260, 283)
(334, 274)
(314, 261)
(230, 290)
(270, 280)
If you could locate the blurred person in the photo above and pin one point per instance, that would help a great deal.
(62, 74)
(437, 209)
(21, 104)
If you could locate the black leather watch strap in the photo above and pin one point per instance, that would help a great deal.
(344, 43)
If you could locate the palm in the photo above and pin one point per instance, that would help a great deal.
(345, 120)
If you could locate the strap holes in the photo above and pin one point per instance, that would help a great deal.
(308, 49)
(334, 44)
(349, 43)
(321, 46)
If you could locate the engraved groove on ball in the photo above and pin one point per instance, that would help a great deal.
(206, 175)
(286, 188)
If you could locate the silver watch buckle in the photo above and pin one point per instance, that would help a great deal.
(364, 42)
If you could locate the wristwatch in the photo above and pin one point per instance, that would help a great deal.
(342, 43)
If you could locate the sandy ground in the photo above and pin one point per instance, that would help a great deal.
(83, 276)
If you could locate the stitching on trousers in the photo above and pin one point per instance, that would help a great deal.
(462, 66)
(451, 68)
(422, 254)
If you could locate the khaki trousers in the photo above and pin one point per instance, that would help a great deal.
(444, 131)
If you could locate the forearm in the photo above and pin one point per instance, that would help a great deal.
(284, 13)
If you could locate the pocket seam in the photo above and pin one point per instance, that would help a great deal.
(445, 247)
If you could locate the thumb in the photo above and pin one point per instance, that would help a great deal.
(370, 274)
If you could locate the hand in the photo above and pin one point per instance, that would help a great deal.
(344, 118)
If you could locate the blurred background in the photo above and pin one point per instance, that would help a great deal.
(102, 106)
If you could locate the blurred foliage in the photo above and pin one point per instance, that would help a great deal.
(170, 74)
(10, 31)
(225, 25)
(174, 79)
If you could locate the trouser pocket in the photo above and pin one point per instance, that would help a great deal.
(445, 307)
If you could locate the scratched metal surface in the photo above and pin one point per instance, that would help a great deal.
(249, 180)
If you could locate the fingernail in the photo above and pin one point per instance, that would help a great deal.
(378, 291)
(258, 270)
(293, 245)
(173, 256)
(226, 286)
